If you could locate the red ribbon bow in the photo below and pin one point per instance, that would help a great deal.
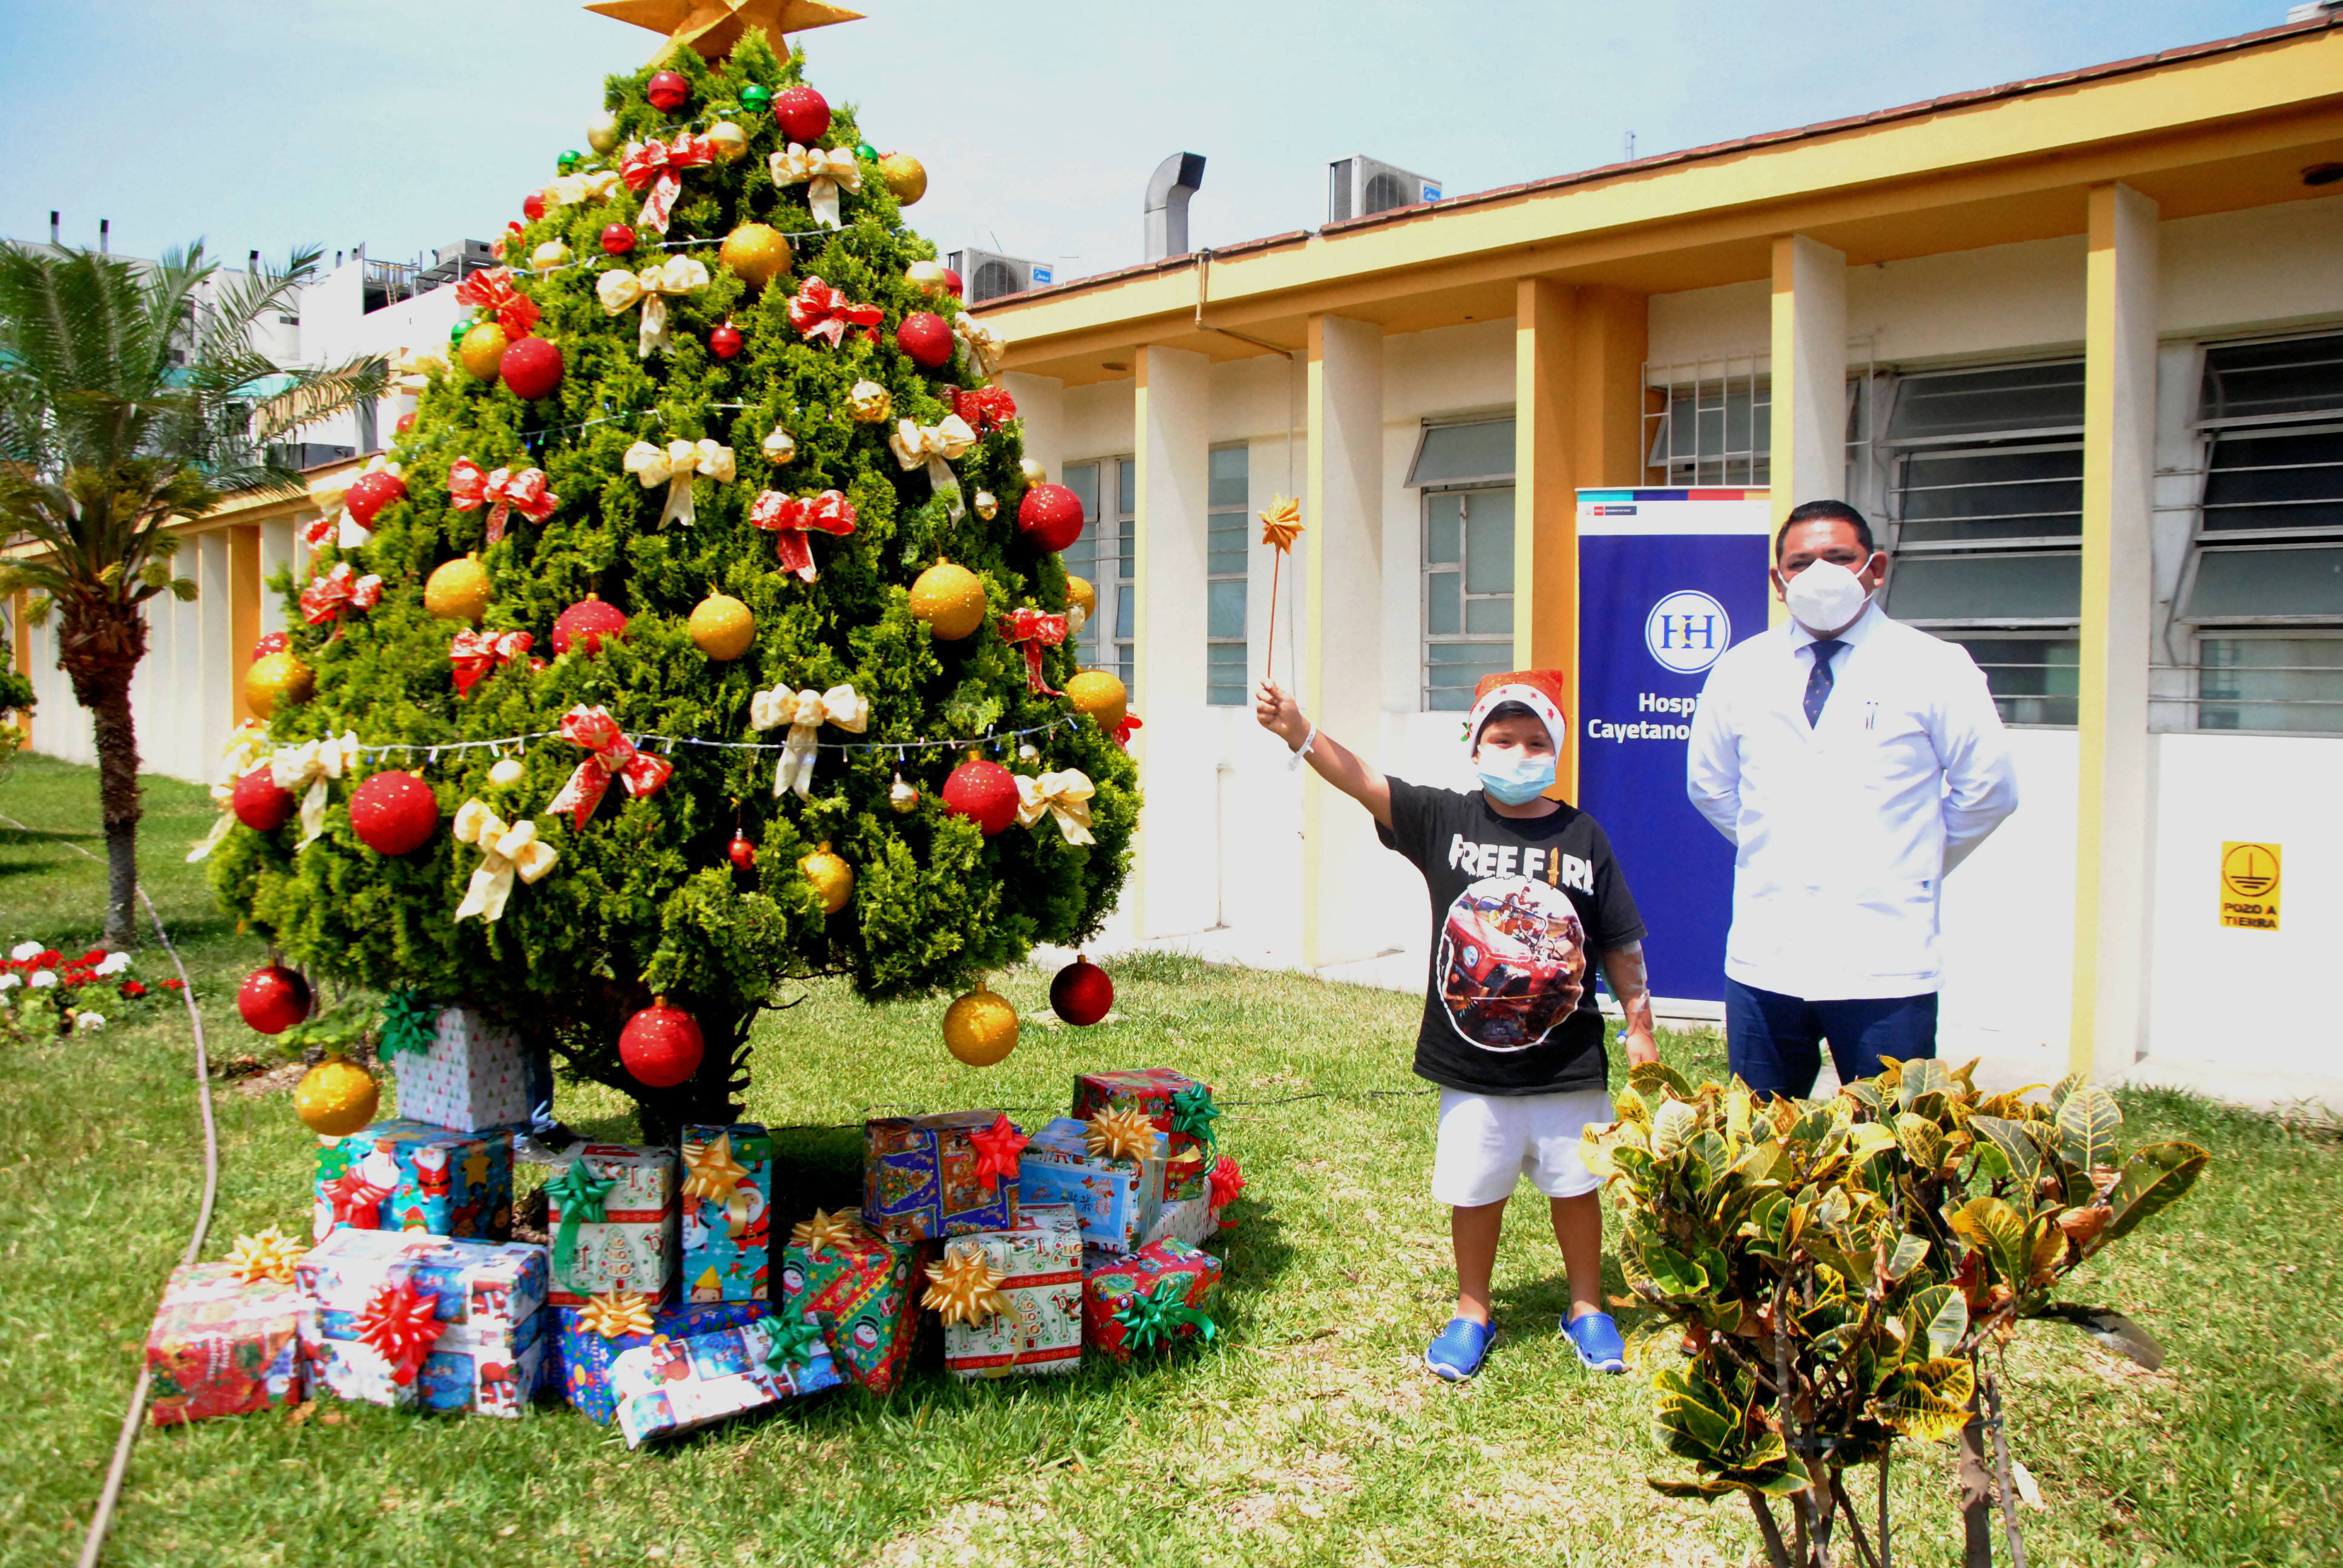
(789, 520)
(401, 1321)
(1035, 629)
(491, 289)
(1225, 1181)
(479, 654)
(326, 597)
(823, 312)
(609, 755)
(504, 491)
(986, 409)
(997, 1150)
(660, 166)
(355, 1202)
(1123, 731)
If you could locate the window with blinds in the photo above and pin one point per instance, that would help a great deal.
(1468, 593)
(1227, 515)
(1104, 556)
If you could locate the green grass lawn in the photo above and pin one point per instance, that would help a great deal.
(1308, 1435)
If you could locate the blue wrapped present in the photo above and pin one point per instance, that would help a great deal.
(727, 1193)
(488, 1299)
(586, 1351)
(405, 1175)
(1118, 1199)
(671, 1386)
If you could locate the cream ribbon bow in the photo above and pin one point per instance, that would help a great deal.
(1065, 796)
(506, 847)
(805, 712)
(311, 764)
(411, 370)
(983, 346)
(676, 465)
(246, 748)
(830, 170)
(570, 189)
(621, 291)
(937, 445)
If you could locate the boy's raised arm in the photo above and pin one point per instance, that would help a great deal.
(1335, 762)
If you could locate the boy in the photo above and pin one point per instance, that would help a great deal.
(1523, 891)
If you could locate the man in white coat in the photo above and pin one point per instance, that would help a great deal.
(1852, 761)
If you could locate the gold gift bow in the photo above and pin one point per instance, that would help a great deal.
(506, 847)
(715, 1174)
(805, 712)
(676, 465)
(827, 1229)
(984, 346)
(246, 748)
(621, 291)
(967, 1288)
(613, 1314)
(1121, 1134)
(830, 170)
(311, 764)
(1065, 796)
(937, 446)
(269, 1255)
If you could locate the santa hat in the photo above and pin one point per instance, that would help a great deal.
(1539, 690)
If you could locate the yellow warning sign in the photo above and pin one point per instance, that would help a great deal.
(2249, 886)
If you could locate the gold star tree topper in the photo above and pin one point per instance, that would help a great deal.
(712, 28)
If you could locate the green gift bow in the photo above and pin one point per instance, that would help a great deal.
(1193, 1113)
(408, 1023)
(1155, 1317)
(787, 1342)
(583, 1197)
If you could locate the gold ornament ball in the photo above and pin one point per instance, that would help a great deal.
(722, 627)
(1100, 696)
(870, 403)
(929, 277)
(1080, 596)
(951, 600)
(483, 349)
(758, 251)
(831, 878)
(1033, 472)
(905, 176)
(981, 1027)
(902, 797)
(548, 256)
(275, 678)
(602, 132)
(731, 143)
(458, 591)
(506, 772)
(337, 1096)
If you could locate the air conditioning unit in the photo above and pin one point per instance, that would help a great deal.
(456, 262)
(1358, 187)
(985, 276)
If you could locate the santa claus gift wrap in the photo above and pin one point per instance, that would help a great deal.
(423, 1323)
(926, 1176)
(1025, 1312)
(1154, 1298)
(861, 1292)
(594, 1336)
(407, 1175)
(466, 1073)
(223, 1343)
(611, 1213)
(727, 1188)
(1179, 1107)
(1109, 1168)
(671, 1386)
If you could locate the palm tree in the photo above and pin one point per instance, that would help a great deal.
(131, 396)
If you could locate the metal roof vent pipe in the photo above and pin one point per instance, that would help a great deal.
(1175, 179)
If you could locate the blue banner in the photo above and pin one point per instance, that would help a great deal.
(1667, 581)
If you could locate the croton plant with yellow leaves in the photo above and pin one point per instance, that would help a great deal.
(1872, 1254)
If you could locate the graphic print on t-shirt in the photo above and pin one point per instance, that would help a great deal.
(1512, 961)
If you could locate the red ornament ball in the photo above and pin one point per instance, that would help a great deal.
(260, 803)
(617, 239)
(983, 792)
(273, 999)
(668, 92)
(531, 367)
(1081, 994)
(394, 812)
(587, 621)
(661, 1045)
(725, 341)
(370, 493)
(1050, 517)
(924, 336)
(270, 642)
(406, 422)
(952, 280)
(532, 206)
(742, 852)
(802, 113)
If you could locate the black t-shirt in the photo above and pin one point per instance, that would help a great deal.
(1522, 910)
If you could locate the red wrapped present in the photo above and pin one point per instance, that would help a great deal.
(222, 1344)
(1176, 1104)
(1150, 1299)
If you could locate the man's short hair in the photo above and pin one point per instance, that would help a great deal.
(1510, 710)
(1824, 512)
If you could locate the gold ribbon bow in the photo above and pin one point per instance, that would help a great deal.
(411, 370)
(1065, 796)
(842, 1231)
(621, 291)
(246, 748)
(714, 1172)
(967, 1288)
(805, 712)
(830, 170)
(676, 465)
(309, 765)
(984, 347)
(270, 1255)
(937, 446)
(506, 847)
(1120, 1133)
(614, 1314)
(568, 190)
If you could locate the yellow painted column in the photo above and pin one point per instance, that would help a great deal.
(1808, 377)
(20, 637)
(1171, 445)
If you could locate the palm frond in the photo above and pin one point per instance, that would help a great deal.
(316, 395)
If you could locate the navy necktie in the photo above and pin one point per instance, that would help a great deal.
(1819, 683)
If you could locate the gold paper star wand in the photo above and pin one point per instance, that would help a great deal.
(1280, 527)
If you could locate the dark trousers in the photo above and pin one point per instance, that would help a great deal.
(1771, 1041)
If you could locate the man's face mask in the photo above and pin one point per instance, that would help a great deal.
(1825, 597)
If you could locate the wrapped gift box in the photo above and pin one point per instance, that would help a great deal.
(630, 1244)
(222, 1345)
(1119, 1200)
(862, 1291)
(407, 1175)
(1151, 1089)
(489, 1353)
(727, 1189)
(918, 1178)
(586, 1356)
(1189, 1220)
(671, 1386)
(471, 1079)
(1041, 1332)
(1176, 1275)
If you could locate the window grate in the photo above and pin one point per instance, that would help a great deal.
(1468, 593)
(1709, 421)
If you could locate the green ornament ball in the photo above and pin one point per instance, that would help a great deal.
(455, 333)
(756, 98)
(568, 162)
(867, 153)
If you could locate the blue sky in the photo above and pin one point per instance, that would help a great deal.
(410, 124)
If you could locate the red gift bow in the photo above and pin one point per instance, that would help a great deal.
(997, 1150)
(355, 1202)
(324, 598)
(660, 166)
(1226, 1181)
(789, 519)
(491, 289)
(823, 312)
(609, 755)
(986, 409)
(1035, 631)
(504, 491)
(1123, 731)
(401, 1321)
(479, 654)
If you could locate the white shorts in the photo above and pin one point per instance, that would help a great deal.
(1488, 1142)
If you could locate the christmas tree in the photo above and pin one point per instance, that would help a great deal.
(721, 392)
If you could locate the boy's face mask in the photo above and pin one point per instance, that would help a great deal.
(1512, 776)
